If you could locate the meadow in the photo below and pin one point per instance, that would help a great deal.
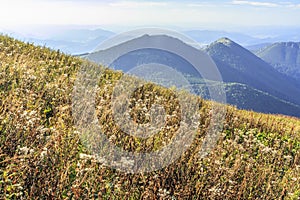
(42, 157)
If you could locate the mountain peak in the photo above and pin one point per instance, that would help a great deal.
(226, 41)
(223, 45)
(145, 36)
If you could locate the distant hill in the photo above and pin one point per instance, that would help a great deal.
(283, 56)
(82, 35)
(238, 64)
(150, 55)
(235, 63)
(246, 97)
(253, 99)
(209, 36)
(257, 47)
(77, 40)
(71, 41)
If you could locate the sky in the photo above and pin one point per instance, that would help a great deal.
(131, 13)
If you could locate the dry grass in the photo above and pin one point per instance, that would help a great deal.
(41, 156)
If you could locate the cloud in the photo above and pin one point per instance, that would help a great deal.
(282, 4)
(132, 13)
(255, 3)
(291, 5)
(206, 4)
(135, 4)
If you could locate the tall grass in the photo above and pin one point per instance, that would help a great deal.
(41, 155)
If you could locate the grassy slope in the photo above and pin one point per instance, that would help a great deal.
(257, 156)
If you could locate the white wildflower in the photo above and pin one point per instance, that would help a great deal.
(25, 150)
(266, 150)
(24, 113)
(32, 113)
(44, 152)
(86, 156)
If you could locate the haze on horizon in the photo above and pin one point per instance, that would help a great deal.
(21, 15)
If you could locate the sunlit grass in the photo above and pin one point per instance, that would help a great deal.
(41, 155)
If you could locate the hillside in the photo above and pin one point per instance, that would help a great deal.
(257, 47)
(41, 156)
(246, 97)
(264, 85)
(283, 56)
(237, 64)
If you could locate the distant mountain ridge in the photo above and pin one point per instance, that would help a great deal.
(71, 41)
(209, 36)
(237, 65)
(78, 40)
(284, 57)
(246, 97)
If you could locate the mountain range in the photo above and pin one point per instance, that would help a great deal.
(284, 57)
(249, 81)
(256, 72)
(78, 40)
(70, 41)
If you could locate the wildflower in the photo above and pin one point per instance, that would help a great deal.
(24, 113)
(266, 150)
(163, 192)
(86, 156)
(32, 113)
(44, 152)
(112, 138)
(25, 150)
(45, 130)
(32, 77)
(288, 158)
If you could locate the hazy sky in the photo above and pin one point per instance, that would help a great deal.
(189, 14)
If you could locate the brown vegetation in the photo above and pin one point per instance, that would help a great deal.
(41, 155)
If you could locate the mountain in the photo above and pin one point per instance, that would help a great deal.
(149, 55)
(209, 36)
(82, 35)
(246, 97)
(79, 39)
(43, 152)
(70, 47)
(249, 39)
(284, 57)
(117, 59)
(235, 63)
(257, 47)
(238, 64)
(71, 41)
